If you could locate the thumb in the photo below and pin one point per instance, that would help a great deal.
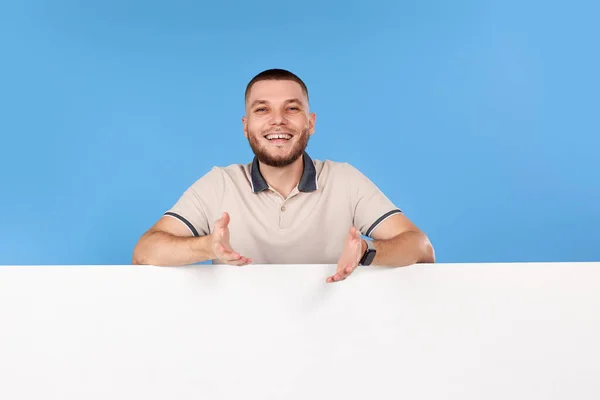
(222, 222)
(225, 219)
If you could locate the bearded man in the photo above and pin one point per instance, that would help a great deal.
(283, 207)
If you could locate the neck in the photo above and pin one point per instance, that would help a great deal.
(283, 179)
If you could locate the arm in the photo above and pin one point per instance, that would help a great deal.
(400, 243)
(396, 239)
(169, 242)
(184, 234)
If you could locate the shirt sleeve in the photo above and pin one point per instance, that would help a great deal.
(198, 202)
(371, 207)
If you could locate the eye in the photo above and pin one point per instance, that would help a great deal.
(261, 109)
(294, 108)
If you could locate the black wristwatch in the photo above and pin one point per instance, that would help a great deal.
(369, 254)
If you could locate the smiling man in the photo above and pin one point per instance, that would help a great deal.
(283, 207)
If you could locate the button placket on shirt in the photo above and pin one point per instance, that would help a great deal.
(280, 201)
(284, 208)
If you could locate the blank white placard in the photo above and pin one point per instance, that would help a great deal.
(443, 331)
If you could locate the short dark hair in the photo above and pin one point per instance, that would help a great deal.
(275, 74)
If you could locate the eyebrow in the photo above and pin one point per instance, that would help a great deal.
(257, 102)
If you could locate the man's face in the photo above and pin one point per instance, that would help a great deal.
(277, 122)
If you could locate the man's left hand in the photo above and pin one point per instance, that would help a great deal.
(350, 257)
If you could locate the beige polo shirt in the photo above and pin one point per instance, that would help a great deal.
(307, 227)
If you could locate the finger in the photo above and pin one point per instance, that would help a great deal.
(241, 262)
(347, 269)
(335, 278)
(227, 255)
(339, 275)
(332, 278)
(340, 272)
(223, 221)
(231, 256)
(236, 261)
(227, 251)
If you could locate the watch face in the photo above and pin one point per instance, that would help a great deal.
(369, 257)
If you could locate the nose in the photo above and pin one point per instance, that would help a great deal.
(278, 118)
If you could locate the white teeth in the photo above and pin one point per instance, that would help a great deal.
(279, 136)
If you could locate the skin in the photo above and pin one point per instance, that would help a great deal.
(281, 106)
(398, 242)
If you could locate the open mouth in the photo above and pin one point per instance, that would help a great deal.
(278, 138)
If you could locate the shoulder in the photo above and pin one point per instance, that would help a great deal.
(235, 169)
(338, 169)
(236, 172)
(330, 166)
(223, 175)
(213, 176)
(216, 175)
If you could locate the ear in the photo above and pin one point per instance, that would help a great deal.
(312, 119)
(245, 125)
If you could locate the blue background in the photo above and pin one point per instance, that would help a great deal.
(478, 118)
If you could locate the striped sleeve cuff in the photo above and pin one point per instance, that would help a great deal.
(185, 221)
(381, 219)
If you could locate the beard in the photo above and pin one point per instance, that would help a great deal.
(261, 151)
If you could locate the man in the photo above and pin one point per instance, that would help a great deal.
(283, 207)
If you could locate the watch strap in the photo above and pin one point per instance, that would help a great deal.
(368, 255)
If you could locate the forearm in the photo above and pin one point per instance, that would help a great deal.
(407, 248)
(164, 249)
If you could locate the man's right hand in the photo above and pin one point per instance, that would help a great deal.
(220, 246)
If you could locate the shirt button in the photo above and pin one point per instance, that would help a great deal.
(282, 208)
